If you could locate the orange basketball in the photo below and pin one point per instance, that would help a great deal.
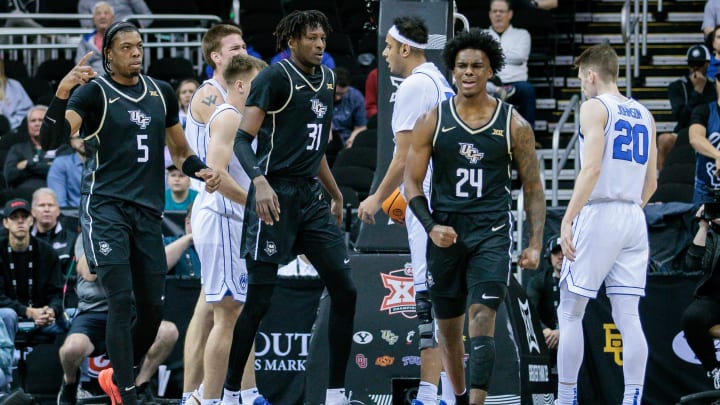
(394, 206)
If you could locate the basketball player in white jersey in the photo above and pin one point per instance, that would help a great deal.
(422, 90)
(604, 233)
(219, 44)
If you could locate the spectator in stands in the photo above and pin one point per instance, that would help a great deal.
(327, 59)
(46, 212)
(122, 8)
(86, 337)
(703, 313)
(103, 16)
(349, 115)
(184, 92)
(14, 100)
(30, 281)
(27, 164)
(178, 195)
(371, 92)
(686, 93)
(65, 174)
(516, 44)
(712, 41)
(711, 16)
(544, 293)
(182, 258)
(704, 122)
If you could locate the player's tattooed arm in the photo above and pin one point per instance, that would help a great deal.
(523, 148)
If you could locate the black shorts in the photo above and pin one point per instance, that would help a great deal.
(482, 254)
(305, 222)
(120, 232)
(92, 325)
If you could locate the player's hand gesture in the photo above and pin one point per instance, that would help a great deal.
(211, 179)
(566, 240)
(443, 236)
(77, 76)
(529, 258)
(267, 205)
(368, 208)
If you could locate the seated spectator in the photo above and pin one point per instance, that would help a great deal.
(544, 293)
(103, 16)
(182, 258)
(86, 337)
(516, 45)
(327, 59)
(711, 16)
(693, 89)
(349, 115)
(371, 92)
(27, 164)
(30, 280)
(14, 100)
(184, 92)
(178, 195)
(46, 212)
(65, 174)
(122, 8)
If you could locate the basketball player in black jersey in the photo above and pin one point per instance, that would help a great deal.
(125, 119)
(473, 139)
(289, 110)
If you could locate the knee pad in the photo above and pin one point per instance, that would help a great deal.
(426, 327)
(482, 360)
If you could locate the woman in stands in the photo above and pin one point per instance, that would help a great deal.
(14, 101)
(184, 92)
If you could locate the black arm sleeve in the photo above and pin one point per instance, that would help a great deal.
(246, 156)
(421, 209)
(55, 129)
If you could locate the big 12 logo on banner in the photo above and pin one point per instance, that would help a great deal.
(401, 296)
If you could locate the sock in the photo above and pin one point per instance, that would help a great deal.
(185, 397)
(567, 394)
(447, 390)
(427, 393)
(462, 399)
(199, 391)
(248, 396)
(210, 401)
(335, 396)
(632, 395)
(231, 397)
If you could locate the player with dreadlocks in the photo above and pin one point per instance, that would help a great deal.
(289, 98)
(125, 119)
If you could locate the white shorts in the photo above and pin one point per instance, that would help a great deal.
(417, 239)
(611, 246)
(217, 240)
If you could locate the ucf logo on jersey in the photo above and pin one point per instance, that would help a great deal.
(470, 152)
(318, 108)
(139, 118)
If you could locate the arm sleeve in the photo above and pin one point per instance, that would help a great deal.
(700, 115)
(270, 89)
(171, 103)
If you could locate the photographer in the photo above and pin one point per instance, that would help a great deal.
(704, 311)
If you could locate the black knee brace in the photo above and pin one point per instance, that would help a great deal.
(482, 360)
(426, 327)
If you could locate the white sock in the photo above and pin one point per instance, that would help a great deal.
(248, 396)
(567, 394)
(231, 397)
(448, 394)
(427, 393)
(335, 396)
(185, 397)
(632, 395)
(214, 401)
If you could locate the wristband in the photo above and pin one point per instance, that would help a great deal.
(419, 207)
(191, 165)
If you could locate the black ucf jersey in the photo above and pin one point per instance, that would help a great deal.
(471, 166)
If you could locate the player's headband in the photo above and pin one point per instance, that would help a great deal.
(403, 39)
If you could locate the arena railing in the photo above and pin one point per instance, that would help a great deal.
(34, 46)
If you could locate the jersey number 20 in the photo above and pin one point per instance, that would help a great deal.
(473, 177)
(632, 142)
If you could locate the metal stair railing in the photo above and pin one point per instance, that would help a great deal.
(559, 162)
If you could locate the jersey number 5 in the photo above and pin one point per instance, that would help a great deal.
(471, 176)
(143, 150)
(632, 142)
(315, 134)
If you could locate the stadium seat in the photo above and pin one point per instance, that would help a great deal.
(357, 156)
(54, 70)
(366, 139)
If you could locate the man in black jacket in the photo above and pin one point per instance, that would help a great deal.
(703, 313)
(30, 280)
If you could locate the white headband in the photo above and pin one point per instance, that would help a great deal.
(402, 39)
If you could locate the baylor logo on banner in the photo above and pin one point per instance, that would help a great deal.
(613, 342)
